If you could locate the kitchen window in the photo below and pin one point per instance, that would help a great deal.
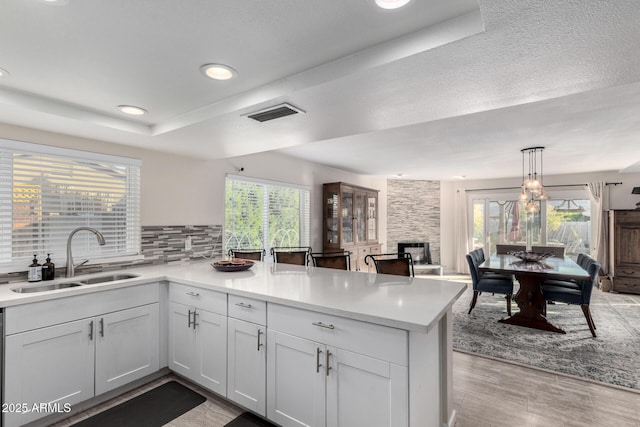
(264, 214)
(46, 192)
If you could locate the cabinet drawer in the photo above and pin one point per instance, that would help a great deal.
(47, 313)
(625, 270)
(377, 341)
(626, 285)
(193, 296)
(248, 309)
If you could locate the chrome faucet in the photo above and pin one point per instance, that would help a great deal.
(70, 270)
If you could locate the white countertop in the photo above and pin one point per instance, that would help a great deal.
(414, 304)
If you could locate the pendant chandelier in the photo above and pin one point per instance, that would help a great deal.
(532, 188)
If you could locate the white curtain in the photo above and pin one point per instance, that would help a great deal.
(461, 234)
(600, 204)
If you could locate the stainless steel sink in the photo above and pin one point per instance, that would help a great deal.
(107, 278)
(45, 288)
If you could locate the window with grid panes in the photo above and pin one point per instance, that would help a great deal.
(264, 214)
(46, 192)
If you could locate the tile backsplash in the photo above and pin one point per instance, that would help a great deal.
(160, 245)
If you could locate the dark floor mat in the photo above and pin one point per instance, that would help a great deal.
(151, 409)
(247, 419)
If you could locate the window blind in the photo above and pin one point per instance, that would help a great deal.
(46, 192)
(264, 214)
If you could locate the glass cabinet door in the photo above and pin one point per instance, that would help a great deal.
(332, 218)
(361, 217)
(372, 218)
(347, 216)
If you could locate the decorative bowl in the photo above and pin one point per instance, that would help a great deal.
(232, 265)
(528, 256)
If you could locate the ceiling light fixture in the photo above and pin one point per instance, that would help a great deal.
(55, 2)
(4, 73)
(218, 71)
(391, 4)
(132, 110)
(532, 188)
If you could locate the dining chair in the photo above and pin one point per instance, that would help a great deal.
(502, 249)
(252, 254)
(557, 251)
(337, 260)
(394, 263)
(486, 283)
(479, 258)
(297, 255)
(578, 292)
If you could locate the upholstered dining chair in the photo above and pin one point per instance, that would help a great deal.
(252, 254)
(557, 251)
(502, 249)
(479, 258)
(575, 292)
(337, 260)
(395, 263)
(297, 255)
(486, 283)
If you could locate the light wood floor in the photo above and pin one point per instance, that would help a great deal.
(487, 393)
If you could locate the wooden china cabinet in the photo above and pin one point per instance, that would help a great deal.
(350, 221)
(624, 250)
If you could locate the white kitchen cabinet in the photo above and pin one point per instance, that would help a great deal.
(323, 376)
(247, 353)
(295, 380)
(74, 360)
(53, 364)
(127, 346)
(198, 337)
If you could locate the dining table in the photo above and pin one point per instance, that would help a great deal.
(530, 276)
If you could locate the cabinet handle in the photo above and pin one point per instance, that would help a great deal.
(193, 294)
(189, 319)
(628, 272)
(322, 325)
(91, 331)
(243, 305)
(195, 313)
(328, 366)
(102, 326)
(259, 343)
(318, 364)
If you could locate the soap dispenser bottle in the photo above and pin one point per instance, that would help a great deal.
(48, 269)
(35, 270)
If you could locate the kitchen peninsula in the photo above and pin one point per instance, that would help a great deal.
(349, 348)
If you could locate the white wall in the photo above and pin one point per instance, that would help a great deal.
(188, 191)
(620, 198)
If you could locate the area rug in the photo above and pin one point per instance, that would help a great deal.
(247, 419)
(151, 409)
(611, 358)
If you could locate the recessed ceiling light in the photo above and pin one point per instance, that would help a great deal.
(4, 73)
(218, 71)
(132, 110)
(391, 4)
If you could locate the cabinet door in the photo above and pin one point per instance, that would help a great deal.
(127, 346)
(211, 351)
(247, 369)
(331, 218)
(49, 365)
(182, 340)
(295, 381)
(372, 217)
(360, 217)
(346, 216)
(365, 391)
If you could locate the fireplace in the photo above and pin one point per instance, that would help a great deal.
(419, 251)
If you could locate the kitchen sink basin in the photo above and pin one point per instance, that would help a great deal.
(47, 287)
(107, 278)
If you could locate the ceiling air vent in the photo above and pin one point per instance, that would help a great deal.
(274, 112)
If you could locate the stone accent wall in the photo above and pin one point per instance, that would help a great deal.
(413, 214)
(160, 245)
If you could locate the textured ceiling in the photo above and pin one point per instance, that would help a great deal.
(434, 90)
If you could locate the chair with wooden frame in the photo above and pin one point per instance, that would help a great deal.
(297, 255)
(557, 251)
(395, 263)
(337, 260)
(252, 254)
(502, 249)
